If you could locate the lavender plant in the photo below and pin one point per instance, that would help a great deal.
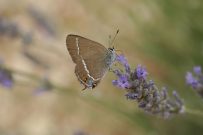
(149, 97)
(195, 80)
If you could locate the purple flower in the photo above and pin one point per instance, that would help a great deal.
(122, 82)
(6, 79)
(122, 59)
(149, 98)
(141, 72)
(195, 80)
(191, 80)
(123, 78)
(197, 70)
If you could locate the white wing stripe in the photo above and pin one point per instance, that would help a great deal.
(77, 44)
(88, 73)
(83, 62)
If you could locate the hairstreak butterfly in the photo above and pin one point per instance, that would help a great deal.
(91, 58)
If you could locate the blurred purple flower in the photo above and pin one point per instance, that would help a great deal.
(195, 80)
(197, 70)
(151, 99)
(9, 28)
(6, 79)
(191, 80)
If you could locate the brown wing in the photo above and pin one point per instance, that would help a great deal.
(86, 46)
(92, 54)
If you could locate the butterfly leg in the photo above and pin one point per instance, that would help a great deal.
(85, 84)
(111, 69)
(84, 88)
(89, 83)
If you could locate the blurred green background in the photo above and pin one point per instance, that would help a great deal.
(166, 36)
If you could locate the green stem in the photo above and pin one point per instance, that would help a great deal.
(194, 112)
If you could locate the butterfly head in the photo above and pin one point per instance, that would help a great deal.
(111, 56)
(111, 49)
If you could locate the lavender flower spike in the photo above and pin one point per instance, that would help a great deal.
(195, 80)
(149, 98)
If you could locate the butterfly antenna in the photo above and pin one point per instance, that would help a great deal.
(111, 43)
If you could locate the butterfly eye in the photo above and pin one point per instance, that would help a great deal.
(111, 49)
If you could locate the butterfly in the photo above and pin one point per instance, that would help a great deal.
(92, 59)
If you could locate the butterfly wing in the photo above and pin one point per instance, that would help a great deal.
(89, 57)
